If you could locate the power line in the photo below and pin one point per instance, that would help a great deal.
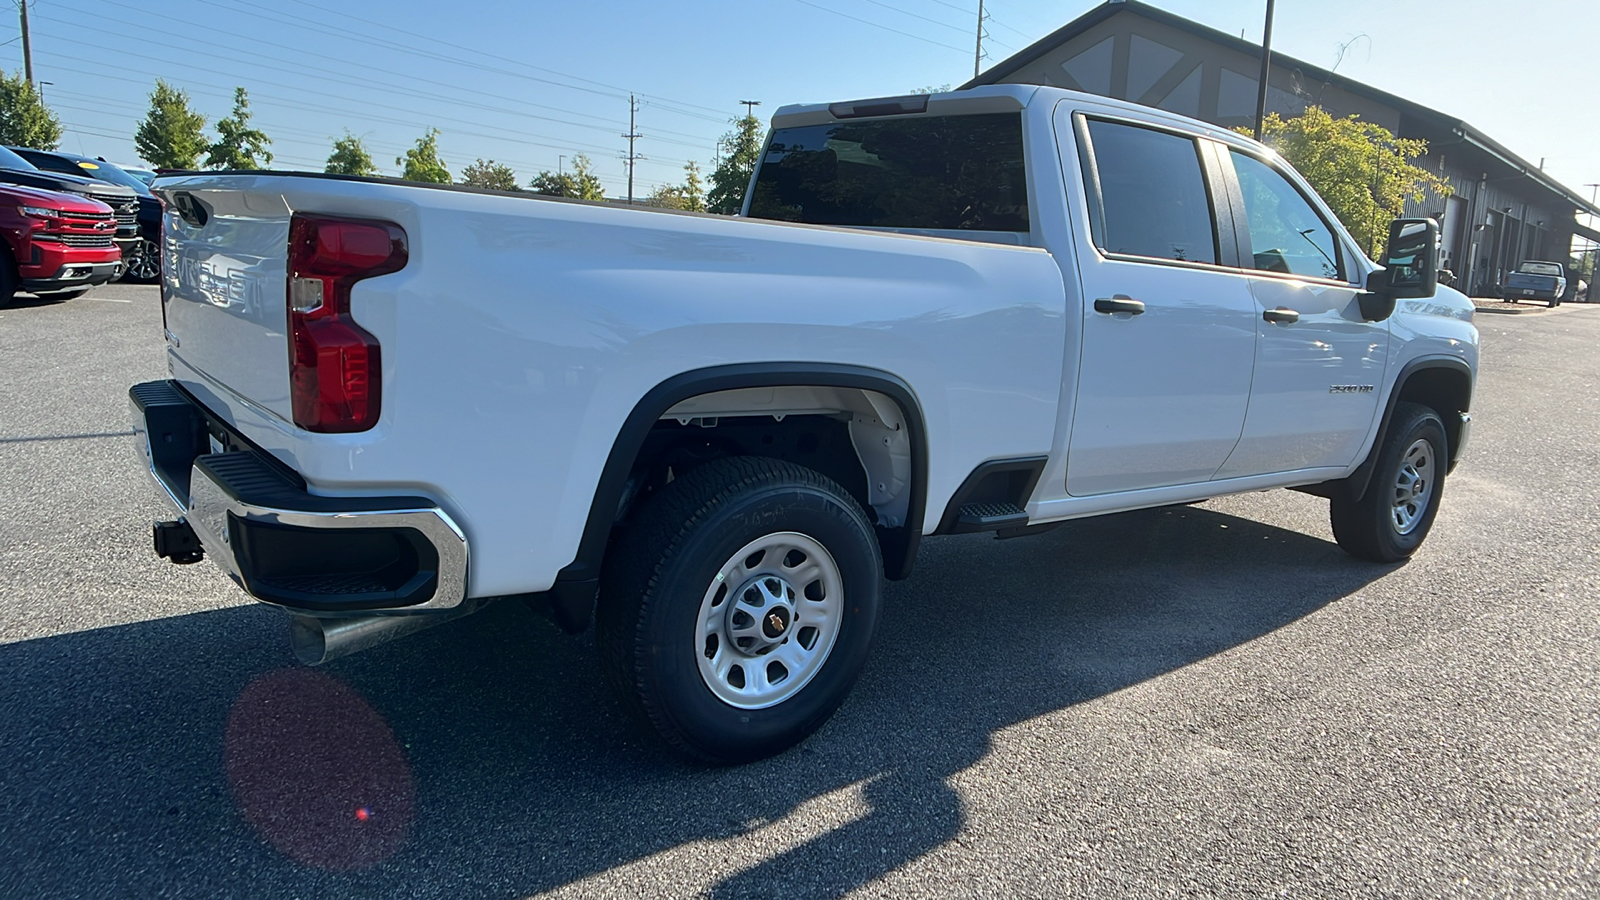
(876, 25)
(454, 101)
(299, 104)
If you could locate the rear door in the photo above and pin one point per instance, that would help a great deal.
(1168, 336)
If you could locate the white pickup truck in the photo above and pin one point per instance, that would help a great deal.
(985, 311)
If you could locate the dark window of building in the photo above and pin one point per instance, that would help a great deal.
(1152, 196)
(1286, 233)
(934, 172)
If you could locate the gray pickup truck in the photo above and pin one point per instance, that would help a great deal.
(1536, 280)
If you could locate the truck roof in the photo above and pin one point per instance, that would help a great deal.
(987, 98)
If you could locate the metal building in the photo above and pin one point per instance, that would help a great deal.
(1504, 209)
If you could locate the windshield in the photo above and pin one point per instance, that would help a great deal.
(936, 172)
(10, 160)
(1540, 268)
(108, 172)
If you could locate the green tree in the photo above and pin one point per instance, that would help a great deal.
(422, 162)
(171, 135)
(1361, 170)
(579, 184)
(690, 195)
(24, 119)
(490, 174)
(238, 146)
(736, 161)
(350, 157)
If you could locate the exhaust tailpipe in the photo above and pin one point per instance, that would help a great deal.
(317, 640)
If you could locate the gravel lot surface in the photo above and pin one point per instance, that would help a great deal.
(1206, 700)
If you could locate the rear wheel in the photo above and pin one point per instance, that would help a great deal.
(1391, 520)
(738, 608)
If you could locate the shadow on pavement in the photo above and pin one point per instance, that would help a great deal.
(132, 753)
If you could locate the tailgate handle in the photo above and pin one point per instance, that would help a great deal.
(190, 209)
(1119, 303)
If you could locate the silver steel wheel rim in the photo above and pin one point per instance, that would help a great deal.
(144, 265)
(769, 620)
(1413, 487)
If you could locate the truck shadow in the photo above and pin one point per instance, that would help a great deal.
(520, 776)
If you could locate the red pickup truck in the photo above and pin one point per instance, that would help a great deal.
(56, 245)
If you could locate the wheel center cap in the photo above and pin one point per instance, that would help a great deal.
(761, 615)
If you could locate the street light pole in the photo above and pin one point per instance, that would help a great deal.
(1266, 65)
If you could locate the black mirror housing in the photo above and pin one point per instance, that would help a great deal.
(1411, 262)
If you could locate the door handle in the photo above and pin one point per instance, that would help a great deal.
(1119, 303)
(1281, 316)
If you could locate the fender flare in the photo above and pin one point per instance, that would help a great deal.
(1357, 482)
(570, 601)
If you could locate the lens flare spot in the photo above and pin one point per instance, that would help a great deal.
(302, 750)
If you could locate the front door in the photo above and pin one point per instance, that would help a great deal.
(1168, 328)
(1319, 365)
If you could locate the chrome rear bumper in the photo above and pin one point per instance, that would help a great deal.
(282, 544)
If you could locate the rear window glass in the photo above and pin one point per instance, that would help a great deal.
(1540, 268)
(938, 172)
(1153, 200)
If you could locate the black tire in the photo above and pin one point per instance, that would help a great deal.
(1554, 303)
(1371, 528)
(659, 588)
(143, 263)
(8, 277)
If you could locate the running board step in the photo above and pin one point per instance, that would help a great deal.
(991, 516)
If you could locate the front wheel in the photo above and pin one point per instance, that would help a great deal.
(738, 608)
(1391, 520)
(143, 263)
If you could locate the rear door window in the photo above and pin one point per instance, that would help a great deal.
(1147, 194)
(926, 172)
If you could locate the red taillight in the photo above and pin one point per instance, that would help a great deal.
(335, 377)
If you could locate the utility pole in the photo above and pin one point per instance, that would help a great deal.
(750, 107)
(977, 53)
(632, 135)
(27, 49)
(561, 159)
(1266, 65)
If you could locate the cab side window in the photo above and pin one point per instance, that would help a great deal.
(1286, 233)
(1152, 199)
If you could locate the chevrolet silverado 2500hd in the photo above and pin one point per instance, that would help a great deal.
(984, 311)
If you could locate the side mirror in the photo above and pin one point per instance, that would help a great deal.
(1411, 263)
(1410, 268)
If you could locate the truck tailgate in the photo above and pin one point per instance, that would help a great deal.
(224, 260)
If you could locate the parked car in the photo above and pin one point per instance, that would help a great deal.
(144, 175)
(1537, 280)
(143, 259)
(56, 245)
(123, 200)
(993, 310)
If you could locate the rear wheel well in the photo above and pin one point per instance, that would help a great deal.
(860, 438)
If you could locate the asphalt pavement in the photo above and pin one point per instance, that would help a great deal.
(1206, 700)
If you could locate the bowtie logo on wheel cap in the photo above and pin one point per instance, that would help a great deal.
(776, 623)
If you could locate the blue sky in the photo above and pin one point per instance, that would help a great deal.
(529, 82)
